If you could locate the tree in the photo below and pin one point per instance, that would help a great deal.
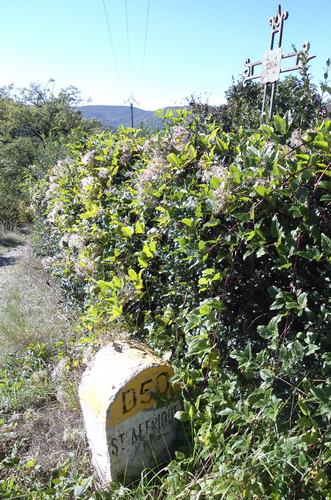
(35, 124)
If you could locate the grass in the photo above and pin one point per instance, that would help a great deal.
(43, 450)
(31, 308)
(42, 441)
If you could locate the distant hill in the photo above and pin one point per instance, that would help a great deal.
(114, 116)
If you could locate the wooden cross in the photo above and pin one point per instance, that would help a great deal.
(271, 61)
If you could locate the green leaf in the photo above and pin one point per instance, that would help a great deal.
(215, 182)
(139, 228)
(324, 185)
(127, 231)
(266, 375)
(174, 160)
(83, 487)
(204, 309)
(280, 125)
(203, 281)
(322, 144)
(104, 285)
(117, 282)
(187, 222)
(326, 244)
(133, 275)
(192, 152)
(303, 300)
(198, 344)
(147, 250)
(270, 331)
(210, 271)
(142, 261)
(250, 235)
(321, 395)
(261, 251)
(260, 190)
(222, 145)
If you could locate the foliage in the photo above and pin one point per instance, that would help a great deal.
(34, 129)
(215, 246)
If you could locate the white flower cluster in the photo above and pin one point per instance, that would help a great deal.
(52, 189)
(126, 154)
(88, 157)
(87, 183)
(158, 146)
(74, 241)
(61, 167)
(213, 170)
(153, 171)
(221, 193)
(103, 173)
(56, 210)
(85, 265)
(296, 140)
(180, 136)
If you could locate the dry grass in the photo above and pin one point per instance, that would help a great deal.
(40, 418)
(31, 307)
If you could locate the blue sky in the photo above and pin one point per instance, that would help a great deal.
(193, 46)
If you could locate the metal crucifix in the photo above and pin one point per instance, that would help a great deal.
(271, 62)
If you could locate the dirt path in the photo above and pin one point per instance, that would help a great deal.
(12, 251)
(31, 307)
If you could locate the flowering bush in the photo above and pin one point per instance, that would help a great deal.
(215, 247)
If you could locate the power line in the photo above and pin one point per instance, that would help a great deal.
(128, 45)
(145, 46)
(112, 44)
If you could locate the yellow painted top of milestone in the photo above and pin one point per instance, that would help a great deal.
(137, 395)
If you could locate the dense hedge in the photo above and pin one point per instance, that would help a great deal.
(215, 247)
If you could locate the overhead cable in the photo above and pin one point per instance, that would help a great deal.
(145, 46)
(128, 45)
(112, 44)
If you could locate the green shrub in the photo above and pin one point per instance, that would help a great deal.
(215, 246)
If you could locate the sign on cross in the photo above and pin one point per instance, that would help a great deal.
(271, 61)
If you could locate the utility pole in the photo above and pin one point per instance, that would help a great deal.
(131, 100)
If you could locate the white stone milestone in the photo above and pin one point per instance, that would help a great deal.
(128, 406)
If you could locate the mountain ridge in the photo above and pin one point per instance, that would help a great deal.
(113, 116)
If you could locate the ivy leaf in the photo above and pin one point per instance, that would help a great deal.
(147, 250)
